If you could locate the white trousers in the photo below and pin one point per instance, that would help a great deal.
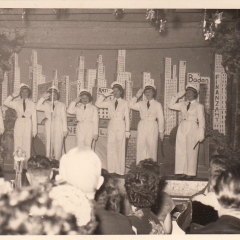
(84, 134)
(147, 140)
(54, 138)
(185, 156)
(23, 136)
(116, 147)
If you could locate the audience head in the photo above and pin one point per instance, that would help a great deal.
(108, 195)
(143, 184)
(38, 170)
(30, 211)
(217, 165)
(227, 189)
(81, 168)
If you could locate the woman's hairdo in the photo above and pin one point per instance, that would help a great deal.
(143, 184)
(227, 188)
(88, 95)
(120, 88)
(54, 90)
(153, 89)
(29, 91)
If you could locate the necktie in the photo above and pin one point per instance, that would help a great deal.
(188, 106)
(148, 104)
(53, 106)
(84, 107)
(24, 105)
(116, 104)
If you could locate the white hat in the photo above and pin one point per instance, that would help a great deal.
(192, 87)
(84, 91)
(117, 84)
(53, 88)
(23, 85)
(150, 86)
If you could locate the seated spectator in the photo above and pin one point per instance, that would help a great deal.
(202, 207)
(108, 200)
(30, 211)
(39, 170)
(162, 209)
(227, 190)
(142, 187)
(79, 178)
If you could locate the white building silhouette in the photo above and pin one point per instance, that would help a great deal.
(220, 95)
(181, 83)
(4, 87)
(80, 74)
(170, 89)
(64, 90)
(35, 75)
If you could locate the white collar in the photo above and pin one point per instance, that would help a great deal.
(193, 101)
(118, 99)
(152, 100)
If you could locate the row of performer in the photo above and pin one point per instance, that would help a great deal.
(150, 127)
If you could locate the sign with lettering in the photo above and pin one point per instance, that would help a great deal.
(73, 129)
(103, 90)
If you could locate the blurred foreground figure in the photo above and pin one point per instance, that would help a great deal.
(227, 190)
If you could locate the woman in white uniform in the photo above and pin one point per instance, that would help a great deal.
(151, 124)
(56, 127)
(26, 123)
(87, 117)
(190, 131)
(118, 127)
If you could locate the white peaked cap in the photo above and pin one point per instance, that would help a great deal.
(53, 88)
(150, 86)
(84, 90)
(116, 83)
(23, 85)
(194, 87)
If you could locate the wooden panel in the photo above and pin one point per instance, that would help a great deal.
(189, 35)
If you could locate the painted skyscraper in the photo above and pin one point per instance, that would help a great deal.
(14, 75)
(146, 79)
(35, 75)
(101, 81)
(64, 90)
(220, 95)
(4, 88)
(55, 78)
(80, 74)
(121, 60)
(170, 89)
(181, 82)
(90, 80)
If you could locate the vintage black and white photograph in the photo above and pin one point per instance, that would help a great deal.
(119, 121)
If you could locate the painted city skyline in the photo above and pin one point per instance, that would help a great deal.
(171, 83)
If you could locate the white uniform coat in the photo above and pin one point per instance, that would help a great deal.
(25, 127)
(1, 122)
(148, 127)
(87, 125)
(118, 125)
(54, 134)
(190, 131)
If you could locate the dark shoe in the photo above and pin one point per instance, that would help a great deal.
(190, 177)
(181, 177)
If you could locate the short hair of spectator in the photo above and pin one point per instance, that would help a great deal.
(227, 188)
(142, 184)
(39, 165)
(108, 195)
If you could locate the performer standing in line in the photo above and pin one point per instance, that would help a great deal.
(56, 123)
(118, 127)
(26, 123)
(151, 124)
(87, 117)
(1, 123)
(190, 131)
